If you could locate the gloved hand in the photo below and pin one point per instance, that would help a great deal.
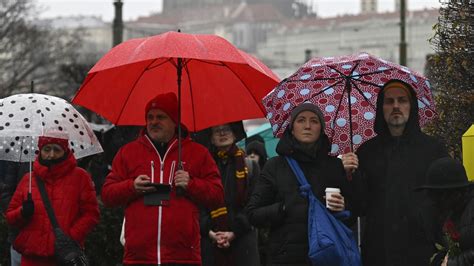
(28, 207)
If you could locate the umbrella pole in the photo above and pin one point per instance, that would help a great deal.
(179, 190)
(348, 88)
(29, 181)
(179, 69)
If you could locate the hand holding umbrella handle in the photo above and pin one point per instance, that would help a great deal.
(28, 207)
(180, 191)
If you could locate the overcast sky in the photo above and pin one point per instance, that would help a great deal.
(136, 8)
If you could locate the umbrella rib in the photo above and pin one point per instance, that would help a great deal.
(340, 73)
(368, 83)
(356, 65)
(190, 92)
(219, 63)
(154, 60)
(335, 117)
(131, 90)
(329, 87)
(299, 80)
(361, 93)
(372, 73)
(247, 87)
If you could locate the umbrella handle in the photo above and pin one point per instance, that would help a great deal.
(179, 190)
(29, 181)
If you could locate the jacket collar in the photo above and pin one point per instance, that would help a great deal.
(289, 146)
(57, 171)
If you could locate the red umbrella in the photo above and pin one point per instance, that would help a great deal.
(345, 88)
(216, 82)
(219, 83)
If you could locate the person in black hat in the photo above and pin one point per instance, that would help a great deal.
(256, 151)
(449, 188)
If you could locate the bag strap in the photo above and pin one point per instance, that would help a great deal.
(47, 202)
(305, 187)
(304, 183)
(297, 170)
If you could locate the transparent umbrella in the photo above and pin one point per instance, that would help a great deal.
(25, 117)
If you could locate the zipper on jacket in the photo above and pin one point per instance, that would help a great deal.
(160, 208)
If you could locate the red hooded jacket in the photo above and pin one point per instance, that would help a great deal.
(162, 234)
(72, 195)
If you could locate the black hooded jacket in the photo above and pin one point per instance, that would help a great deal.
(399, 221)
(465, 224)
(276, 202)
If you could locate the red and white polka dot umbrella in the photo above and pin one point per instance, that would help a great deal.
(345, 88)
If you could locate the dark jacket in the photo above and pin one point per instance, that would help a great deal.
(399, 221)
(276, 201)
(464, 223)
(244, 246)
(10, 175)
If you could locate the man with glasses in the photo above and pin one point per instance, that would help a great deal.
(238, 174)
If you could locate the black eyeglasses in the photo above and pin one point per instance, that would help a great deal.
(221, 130)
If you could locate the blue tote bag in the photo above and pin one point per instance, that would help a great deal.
(331, 243)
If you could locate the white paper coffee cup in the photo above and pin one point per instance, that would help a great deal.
(329, 191)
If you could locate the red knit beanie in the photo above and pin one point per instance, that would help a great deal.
(64, 143)
(167, 102)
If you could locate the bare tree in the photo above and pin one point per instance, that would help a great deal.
(32, 50)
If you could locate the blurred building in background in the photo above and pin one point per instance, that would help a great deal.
(282, 33)
(96, 33)
(375, 33)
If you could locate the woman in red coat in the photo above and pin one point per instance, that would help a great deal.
(72, 195)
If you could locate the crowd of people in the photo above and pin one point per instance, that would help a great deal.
(209, 205)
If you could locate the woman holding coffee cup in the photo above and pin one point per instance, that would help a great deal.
(276, 201)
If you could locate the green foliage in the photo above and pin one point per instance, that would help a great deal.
(4, 245)
(103, 247)
(451, 71)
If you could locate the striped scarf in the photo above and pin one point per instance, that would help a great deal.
(241, 172)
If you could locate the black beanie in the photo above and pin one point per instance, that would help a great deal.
(307, 107)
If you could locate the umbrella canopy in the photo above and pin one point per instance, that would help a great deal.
(25, 117)
(468, 152)
(265, 132)
(219, 83)
(345, 88)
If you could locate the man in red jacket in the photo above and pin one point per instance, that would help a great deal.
(166, 234)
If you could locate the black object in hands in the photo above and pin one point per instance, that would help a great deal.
(180, 191)
(28, 207)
